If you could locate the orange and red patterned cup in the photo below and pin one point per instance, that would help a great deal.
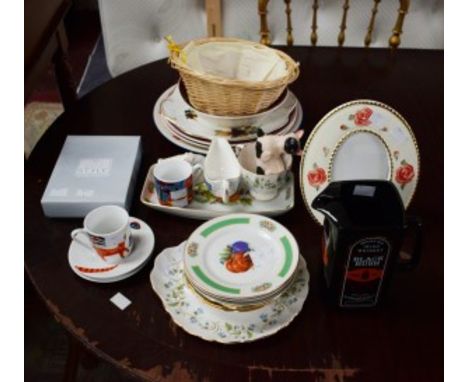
(108, 233)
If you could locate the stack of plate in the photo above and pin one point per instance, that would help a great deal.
(193, 130)
(240, 261)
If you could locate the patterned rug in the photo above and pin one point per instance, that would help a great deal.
(38, 116)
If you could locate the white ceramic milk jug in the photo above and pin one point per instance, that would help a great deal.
(222, 169)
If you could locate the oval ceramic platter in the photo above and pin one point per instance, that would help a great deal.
(362, 139)
(205, 321)
(268, 251)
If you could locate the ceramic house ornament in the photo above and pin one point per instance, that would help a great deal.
(272, 151)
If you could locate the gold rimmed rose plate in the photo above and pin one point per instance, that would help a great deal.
(360, 140)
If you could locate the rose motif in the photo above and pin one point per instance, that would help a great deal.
(404, 174)
(361, 118)
(317, 176)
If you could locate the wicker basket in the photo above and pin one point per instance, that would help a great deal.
(230, 97)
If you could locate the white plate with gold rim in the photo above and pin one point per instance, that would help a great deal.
(210, 323)
(255, 300)
(361, 139)
(240, 256)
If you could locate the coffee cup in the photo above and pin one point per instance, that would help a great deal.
(107, 232)
(173, 180)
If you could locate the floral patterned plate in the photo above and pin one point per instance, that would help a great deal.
(200, 319)
(170, 132)
(206, 206)
(362, 139)
(172, 107)
(240, 257)
(204, 141)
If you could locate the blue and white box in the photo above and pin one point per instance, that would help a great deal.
(92, 171)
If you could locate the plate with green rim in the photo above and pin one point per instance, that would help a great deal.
(240, 256)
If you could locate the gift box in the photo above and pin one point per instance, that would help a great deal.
(92, 171)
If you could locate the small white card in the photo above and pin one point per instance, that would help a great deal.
(120, 301)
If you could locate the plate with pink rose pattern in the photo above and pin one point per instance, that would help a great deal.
(361, 139)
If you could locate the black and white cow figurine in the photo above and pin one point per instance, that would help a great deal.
(271, 151)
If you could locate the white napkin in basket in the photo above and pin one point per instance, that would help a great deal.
(235, 61)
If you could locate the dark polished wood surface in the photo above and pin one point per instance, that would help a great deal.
(402, 341)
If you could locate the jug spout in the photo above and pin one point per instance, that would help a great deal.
(325, 201)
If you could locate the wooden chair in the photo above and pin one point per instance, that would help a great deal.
(46, 42)
(394, 40)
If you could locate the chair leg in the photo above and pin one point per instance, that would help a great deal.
(75, 352)
(63, 70)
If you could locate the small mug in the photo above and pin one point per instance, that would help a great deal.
(173, 180)
(261, 187)
(223, 188)
(108, 233)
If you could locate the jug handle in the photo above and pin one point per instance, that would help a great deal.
(415, 223)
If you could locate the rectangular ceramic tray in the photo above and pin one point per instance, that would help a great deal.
(204, 206)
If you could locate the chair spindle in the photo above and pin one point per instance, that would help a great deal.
(313, 35)
(341, 35)
(290, 39)
(370, 29)
(394, 40)
(264, 31)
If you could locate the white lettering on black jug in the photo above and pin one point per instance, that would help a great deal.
(364, 272)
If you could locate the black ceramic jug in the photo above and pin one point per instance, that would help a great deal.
(364, 228)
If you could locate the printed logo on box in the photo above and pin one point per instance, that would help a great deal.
(84, 193)
(58, 192)
(94, 168)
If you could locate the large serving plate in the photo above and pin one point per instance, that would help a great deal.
(197, 139)
(289, 123)
(205, 321)
(205, 206)
(174, 108)
(231, 122)
(240, 256)
(363, 140)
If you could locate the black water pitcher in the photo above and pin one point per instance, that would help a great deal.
(364, 228)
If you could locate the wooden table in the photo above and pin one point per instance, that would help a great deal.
(403, 341)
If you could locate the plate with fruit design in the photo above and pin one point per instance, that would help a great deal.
(210, 323)
(360, 140)
(240, 257)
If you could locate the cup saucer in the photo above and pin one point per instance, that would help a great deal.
(87, 264)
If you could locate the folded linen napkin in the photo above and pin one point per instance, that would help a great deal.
(235, 60)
